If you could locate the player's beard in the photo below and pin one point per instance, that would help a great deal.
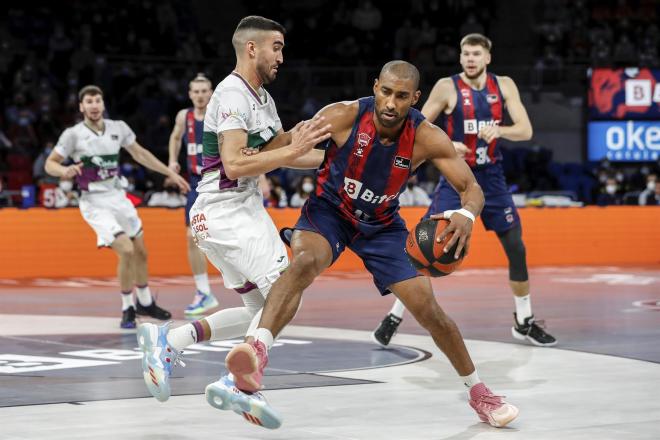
(265, 73)
(476, 75)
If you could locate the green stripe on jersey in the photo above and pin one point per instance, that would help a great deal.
(259, 140)
(210, 144)
(102, 161)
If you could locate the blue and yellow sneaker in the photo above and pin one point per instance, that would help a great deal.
(202, 302)
(158, 360)
(253, 407)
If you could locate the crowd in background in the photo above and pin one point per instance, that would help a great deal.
(144, 69)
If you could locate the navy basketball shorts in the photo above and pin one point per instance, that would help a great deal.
(382, 251)
(499, 213)
(192, 195)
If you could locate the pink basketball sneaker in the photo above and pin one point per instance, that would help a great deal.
(247, 362)
(491, 409)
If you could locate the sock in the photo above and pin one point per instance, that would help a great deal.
(202, 283)
(398, 309)
(523, 308)
(264, 335)
(186, 335)
(471, 380)
(144, 295)
(127, 300)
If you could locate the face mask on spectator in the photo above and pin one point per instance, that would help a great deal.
(308, 187)
(66, 185)
(650, 185)
(610, 189)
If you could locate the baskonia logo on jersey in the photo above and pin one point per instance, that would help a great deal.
(363, 140)
(473, 126)
(354, 190)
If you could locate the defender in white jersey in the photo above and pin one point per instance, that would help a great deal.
(94, 145)
(228, 218)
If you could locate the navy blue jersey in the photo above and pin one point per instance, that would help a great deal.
(192, 142)
(475, 109)
(363, 178)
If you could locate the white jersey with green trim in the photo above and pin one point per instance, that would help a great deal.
(235, 105)
(98, 153)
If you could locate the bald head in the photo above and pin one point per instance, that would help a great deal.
(252, 28)
(402, 70)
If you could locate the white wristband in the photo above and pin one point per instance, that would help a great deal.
(464, 212)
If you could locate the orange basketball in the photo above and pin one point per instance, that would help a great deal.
(426, 254)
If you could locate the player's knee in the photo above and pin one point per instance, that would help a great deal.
(140, 252)
(433, 319)
(306, 264)
(123, 246)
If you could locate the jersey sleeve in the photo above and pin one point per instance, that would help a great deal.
(66, 143)
(233, 111)
(126, 135)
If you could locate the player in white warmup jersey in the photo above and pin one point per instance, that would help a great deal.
(228, 219)
(94, 146)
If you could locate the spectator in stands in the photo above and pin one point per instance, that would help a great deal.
(649, 195)
(277, 196)
(304, 189)
(414, 195)
(65, 195)
(655, 199)
(610, 194)
(38, 172)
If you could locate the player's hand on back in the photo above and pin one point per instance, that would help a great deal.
(461, 149)
(174, 166)
(72, 171)
(305, 135)
(461, 226)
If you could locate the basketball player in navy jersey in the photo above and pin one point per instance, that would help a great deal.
(188, 131)
(376, 144)
(472, 104)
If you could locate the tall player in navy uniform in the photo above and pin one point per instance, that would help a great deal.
(472, 105)
(188, 130)
(376, 144)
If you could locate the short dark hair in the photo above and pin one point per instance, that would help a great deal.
(402, 69)
(91, 90)
(200, 78)
(257, 22)
(477, 40)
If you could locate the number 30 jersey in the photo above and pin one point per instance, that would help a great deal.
(475, 109)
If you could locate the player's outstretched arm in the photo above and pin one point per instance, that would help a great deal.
(233, 146)
(145, 158)
(174, 146)
(435, 145)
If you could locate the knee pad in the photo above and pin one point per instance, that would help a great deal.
(515, 251)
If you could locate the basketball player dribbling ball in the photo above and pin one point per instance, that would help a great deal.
(228, 219)
(377, 143)
(94, 146)
(188, 130)
(472, 104)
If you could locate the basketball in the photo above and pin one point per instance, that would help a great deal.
(426, 254)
